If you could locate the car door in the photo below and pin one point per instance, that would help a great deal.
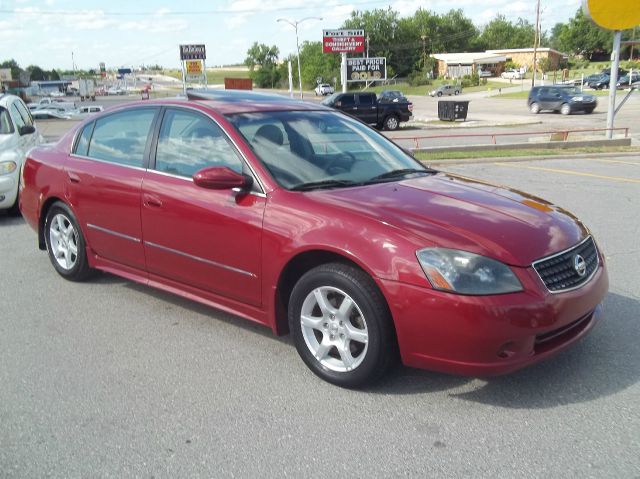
(347, 103)
(103, 183)
(208, 239)
(367, 108)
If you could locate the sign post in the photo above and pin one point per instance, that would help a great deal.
(617, 16)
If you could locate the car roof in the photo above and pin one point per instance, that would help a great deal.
(245, 101)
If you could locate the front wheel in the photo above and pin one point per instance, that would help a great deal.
(391, 123)
(534, 108)
(565, 109)
(457, 92)
(341, 325)
(65, 243)
(439, 93)
(589, 111)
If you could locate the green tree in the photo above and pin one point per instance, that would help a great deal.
(580, 36)
(36, 73)
(262, 62)
(500, 33)
(315, 64)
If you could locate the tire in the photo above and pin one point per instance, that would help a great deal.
(14, 210)
(589, 111)
(457, 92)
(565, 109)
(346, 336)
(439, 93)
(534, 108)
(65, 243)
(391, 123)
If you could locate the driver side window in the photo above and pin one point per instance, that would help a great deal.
(189, 142)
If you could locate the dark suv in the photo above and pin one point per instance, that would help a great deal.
(565, 99)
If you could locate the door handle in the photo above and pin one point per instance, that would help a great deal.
(73, 178)
(151, 201)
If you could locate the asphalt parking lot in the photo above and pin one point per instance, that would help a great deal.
(113, 379)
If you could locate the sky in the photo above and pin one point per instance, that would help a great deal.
(125, 33)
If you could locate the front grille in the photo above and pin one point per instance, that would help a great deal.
(559, 273)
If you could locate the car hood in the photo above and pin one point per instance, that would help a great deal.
(7, 141)
(455, 212)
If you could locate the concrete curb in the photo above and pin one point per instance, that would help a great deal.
(503, 159)
(529, 146)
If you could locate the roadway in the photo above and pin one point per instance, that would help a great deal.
(112, 379)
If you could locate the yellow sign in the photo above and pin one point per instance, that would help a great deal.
(613, 14)
(194, 67)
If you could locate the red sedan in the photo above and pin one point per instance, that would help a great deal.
(306, 221)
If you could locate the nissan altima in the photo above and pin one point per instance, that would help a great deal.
(309, 222)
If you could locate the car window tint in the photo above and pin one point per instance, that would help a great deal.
(17, 117)
(6, 126)
(24, 112)
(348, 100)
(366, 100)
(190, 141)
(82, 147)
(121, 138)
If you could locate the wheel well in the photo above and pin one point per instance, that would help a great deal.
(43, 216)
(290, 275)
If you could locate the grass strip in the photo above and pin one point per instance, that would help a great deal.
(472, 155)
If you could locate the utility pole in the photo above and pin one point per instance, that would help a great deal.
(294, 24)
(536, 41)
(424, 50)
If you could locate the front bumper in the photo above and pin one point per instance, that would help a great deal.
(8, 190)
(491, 335)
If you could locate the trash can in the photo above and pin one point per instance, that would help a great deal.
(452, 110)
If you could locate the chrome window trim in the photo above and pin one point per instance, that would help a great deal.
(106, 162)
(202, 260)
(547, 258)
(114, 233)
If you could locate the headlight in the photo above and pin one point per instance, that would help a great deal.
(466, 273)
(577, 98)
(7, 167)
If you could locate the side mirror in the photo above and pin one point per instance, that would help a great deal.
(26, 130)
(338, 103)
(221, 178)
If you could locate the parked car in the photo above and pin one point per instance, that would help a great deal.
(621, 72)
(599, 83)
(446, 90)
(565, 99)
(18, 134)
(628, 79)
(324, 89)
(52, 102)
(512, 75)
(84, 111)
(116, 90)
(367, 108)
(304, 220)
(485, 73)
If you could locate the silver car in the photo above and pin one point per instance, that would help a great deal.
(446, 90)
(18, 134)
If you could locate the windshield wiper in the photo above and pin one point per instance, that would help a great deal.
(313, 185)
(398, 174)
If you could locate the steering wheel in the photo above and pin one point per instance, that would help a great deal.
(341, 164)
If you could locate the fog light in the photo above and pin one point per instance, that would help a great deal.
(506, 350)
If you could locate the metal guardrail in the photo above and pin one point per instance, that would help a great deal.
(562, 134)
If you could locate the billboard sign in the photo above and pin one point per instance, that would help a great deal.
(193, 52)
(343, 41)
(5, 74)
(366, 69)
(194, 70)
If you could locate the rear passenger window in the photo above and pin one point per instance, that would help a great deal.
(82, 146)
(122, 137)
(366, 100)
(348, 100)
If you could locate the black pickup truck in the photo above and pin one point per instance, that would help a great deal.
(368, 108)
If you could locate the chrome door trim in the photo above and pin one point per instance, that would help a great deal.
(202, 260)
(114, 233)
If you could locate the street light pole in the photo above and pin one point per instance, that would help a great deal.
(295, 24)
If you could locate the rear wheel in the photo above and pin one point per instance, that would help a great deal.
(565, 109)
(534, 108)
(589, 110)
(457, 92)
(439, 93)
(65, 243)
(341, 325)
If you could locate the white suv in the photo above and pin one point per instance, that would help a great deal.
(512, 75)
(18, 134)
(324, 89)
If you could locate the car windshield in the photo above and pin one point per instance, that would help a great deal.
(306, 150)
